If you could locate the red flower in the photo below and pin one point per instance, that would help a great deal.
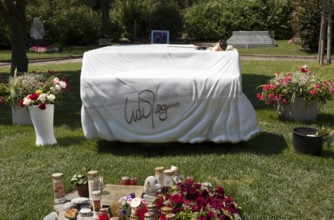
(176, 199)
(33, 96)
(331, 90)
(303, 69)
(42, 106)
(317, 86)
(21, 103)
(159, 202)
(271, 96)
(313, 92)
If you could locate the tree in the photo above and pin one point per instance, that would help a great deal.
(13, 11)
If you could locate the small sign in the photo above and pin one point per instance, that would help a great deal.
(112, 193)
(159, 37)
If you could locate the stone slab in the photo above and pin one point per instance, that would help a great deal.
(251, 39)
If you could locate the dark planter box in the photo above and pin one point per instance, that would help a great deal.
(305, 141)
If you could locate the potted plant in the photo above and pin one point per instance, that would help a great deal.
(14, 89)
(297, 95)
(80, 180)
(40, 103)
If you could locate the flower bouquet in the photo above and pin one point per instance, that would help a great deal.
(290, 87)
(192, 200)
(45, 94)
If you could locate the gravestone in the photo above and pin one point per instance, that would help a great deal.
(251, 39)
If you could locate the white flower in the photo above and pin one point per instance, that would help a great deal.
(62, 84)
(26, 101)
(51, 97)
(57, 87)
(55, 80)
(42, 97)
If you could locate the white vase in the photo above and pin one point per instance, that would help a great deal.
(20, 115)
(300, 110)
(43, 124)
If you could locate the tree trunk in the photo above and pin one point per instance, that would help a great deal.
(105, 4)
(14, 13)
(18, 40)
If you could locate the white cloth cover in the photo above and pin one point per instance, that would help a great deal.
(164, 93)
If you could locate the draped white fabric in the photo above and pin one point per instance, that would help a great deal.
(164, 93)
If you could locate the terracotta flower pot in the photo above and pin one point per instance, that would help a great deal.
(82, 190)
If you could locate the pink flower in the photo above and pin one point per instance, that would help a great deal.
(313, 92)
(317, 86)
(331, 90)
(271, 96)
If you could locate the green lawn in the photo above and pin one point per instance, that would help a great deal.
(263, 175)
(283, 48)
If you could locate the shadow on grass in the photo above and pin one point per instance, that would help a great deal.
(70, 141)
(263, 144)
(250, 82)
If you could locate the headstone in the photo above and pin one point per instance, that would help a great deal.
(251, 39)
(37, 29)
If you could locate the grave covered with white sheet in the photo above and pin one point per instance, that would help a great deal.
(164, 93)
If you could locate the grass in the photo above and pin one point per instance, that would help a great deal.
(283, 48)
(263, 175)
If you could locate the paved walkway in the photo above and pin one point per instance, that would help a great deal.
(61, 60)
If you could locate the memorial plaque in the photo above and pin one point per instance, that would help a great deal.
(112, 193)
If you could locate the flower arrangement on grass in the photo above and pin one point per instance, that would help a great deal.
(16, 87)
(284, 88)
(45, 94)
(32, 89)
(192, 200)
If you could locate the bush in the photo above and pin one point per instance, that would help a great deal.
(216, 19)
(128, 12)
(77, 26)
(161, 18)
(5, 35)
(204, 20)
(306, 23)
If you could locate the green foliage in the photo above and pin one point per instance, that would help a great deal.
(306, 23)
(131, 12)
(217, 19)
(77, 26)
(4, 36)
(204, 20)
(161, 18)
(80, 178)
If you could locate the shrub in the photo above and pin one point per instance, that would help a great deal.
(306, 23)
(77, 26)
(217, 19)
(4, 36)
(204, 20)
(128, 12)
(161, 18)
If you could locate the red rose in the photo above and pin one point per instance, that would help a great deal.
(176, 199)
(33, 96)
(42, 106)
